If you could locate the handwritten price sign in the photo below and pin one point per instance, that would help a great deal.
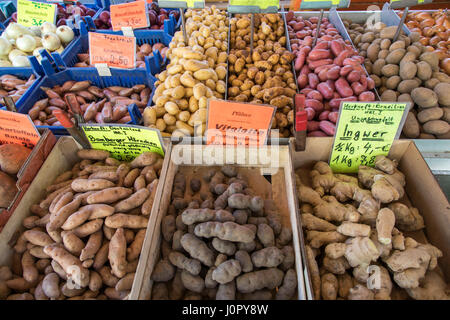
(396, 4)
(133, 14)
(365, 130)
(253, 6)
(30, 13)
(17, 128)
(114, 50)
(124, 142)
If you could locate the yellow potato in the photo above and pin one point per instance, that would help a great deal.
(171, 108)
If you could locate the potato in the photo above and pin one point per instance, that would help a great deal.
(8, 190)
(437, 127)
(407, 86)
(395, 56)
(424, 97)
(443, 92)
(430, 114)
(424, 71)
(390, 70)
(408, 70)
(12, 157)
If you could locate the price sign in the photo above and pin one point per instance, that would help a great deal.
(396, 4)
(124, 142)
(133, 14)
(364, 131)
(319, 4)
(114, 50)
(253, 6)
(235, 123)
(194, 4)
(17, 128)
(30, 13)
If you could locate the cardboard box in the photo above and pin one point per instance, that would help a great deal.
(193, 160)
(61, 159)
(422, 192)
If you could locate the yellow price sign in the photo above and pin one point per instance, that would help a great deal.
(31, 13)
(198, 4)
(364, 131)
(124, 142)
(324, 4)
(262, 4)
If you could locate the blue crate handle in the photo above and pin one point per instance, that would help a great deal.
(152, 64)
(135, 114)
(36, 66)
(59, 63)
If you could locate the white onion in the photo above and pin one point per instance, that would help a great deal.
(26, 43)
(48, 27)
(50, 41)
(65, 33)
(38, 41)
(5, 64)
(36, 31)
(36, 51)
(14, 53)
(21, 61)
(14, 30)
(5, 46)
(60, 49)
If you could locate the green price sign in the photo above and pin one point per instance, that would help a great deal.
(30, 13)
(193, 4)
(324, 4)
(396, 4)
(364, 131)
(253, 6)
(124, 142)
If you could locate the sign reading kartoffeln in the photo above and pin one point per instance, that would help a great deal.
(364, 131)
(17, 128)
(124, 142)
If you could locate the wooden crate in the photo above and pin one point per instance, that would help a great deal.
(422, 191)
(281, 190)
(62, 158)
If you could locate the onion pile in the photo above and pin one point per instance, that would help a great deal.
(18, 42)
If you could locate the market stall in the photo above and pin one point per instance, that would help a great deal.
(240, 150)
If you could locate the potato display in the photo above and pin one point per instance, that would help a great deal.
(406, 71)
(357, 242)
(84, 239)
(434, 29)
(12, 158)
(12, 86)
(196, 73)
(264, 75)
(108, 105)
(328, 73)
(221, 241)
(142, 51)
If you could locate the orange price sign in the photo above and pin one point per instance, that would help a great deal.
(114, 50)
(17, 128)
(132, 14)
(235, 123)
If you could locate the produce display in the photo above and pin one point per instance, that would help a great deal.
(196, 72)
(353, 224)
(434, 30)
(12, 86)
(222, 241)
(156, 16)
(12, 158)
(69, 11)
(18, 42)
(264, 75)
(405, 70)
(328, 73)
(142, 51)
(108, 105)
(84, 239)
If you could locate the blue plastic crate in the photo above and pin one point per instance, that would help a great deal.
(81, 45)
(120, 77)
(24, 74)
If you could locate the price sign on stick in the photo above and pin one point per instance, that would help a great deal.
(17, 128)
(396, 4)
(364, 131)
(194, 4)
(30, 13)
(133, 14)
(114, 50)
(253, 6)
(318, 4)
(124, 142)
(235, 123)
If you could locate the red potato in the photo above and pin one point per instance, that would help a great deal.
(335, 103)
(315, 104)
(328, 127)
(343, 88)
(314, 94)
(325, 90)
(312, 125)
(333, 116)
(324, 115)
(313, 80)
(316, 133)
(310, 113)
(366, 96)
